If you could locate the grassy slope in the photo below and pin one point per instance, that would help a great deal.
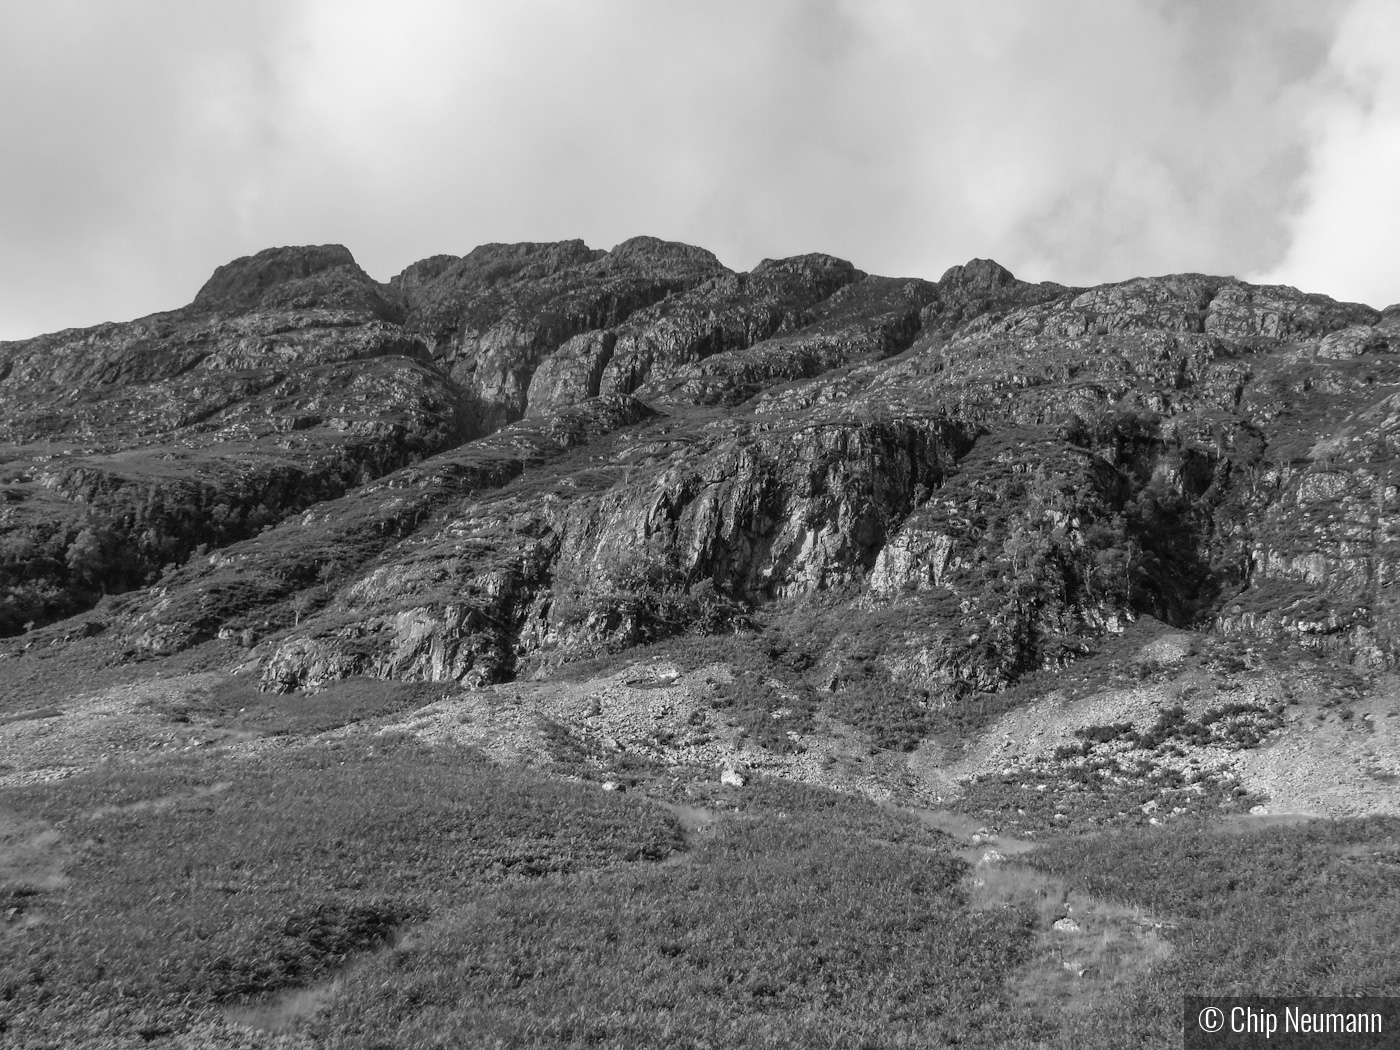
(534, 911)
(1305, 910)
(200, 880)
(483, 906)
(779, 931)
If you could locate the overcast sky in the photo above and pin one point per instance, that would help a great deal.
(144, 142)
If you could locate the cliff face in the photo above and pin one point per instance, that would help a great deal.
(533, 452)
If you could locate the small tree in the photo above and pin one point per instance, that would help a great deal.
(302, 604)
(89, 556)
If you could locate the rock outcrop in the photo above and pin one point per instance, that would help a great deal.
(287, 382)
(494, 315)
(541, 450)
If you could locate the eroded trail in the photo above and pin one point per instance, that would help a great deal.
(33, 859)
(1085, 947)
(696, 823)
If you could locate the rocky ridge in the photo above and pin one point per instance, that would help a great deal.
(497, 464)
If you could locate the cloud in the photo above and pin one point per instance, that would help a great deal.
(1343, 238)
(1081, 141)
(127, 127)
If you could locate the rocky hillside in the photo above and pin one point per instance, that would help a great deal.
(503, 463)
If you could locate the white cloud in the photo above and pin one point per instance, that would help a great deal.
(1344, 239)
(1081, 141)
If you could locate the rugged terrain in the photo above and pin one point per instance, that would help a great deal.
(1038, 564)
(499, 462)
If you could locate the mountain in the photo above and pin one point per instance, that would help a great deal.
(560, 646)
(534, 454)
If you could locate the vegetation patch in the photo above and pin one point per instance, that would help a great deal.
(1047, 795)
(1234, 726)
(1311, 909)
(583, 755)
(777, 933)
(1119, 775)
(313, 853)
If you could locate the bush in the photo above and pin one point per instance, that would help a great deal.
(638, 597)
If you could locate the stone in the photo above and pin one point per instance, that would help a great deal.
(1353, 342)
(1065, 925)
(1168, 650)
(731, 778)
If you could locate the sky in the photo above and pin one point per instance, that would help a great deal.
(145, 142)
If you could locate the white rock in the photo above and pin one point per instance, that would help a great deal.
(611, 785)
(1066, 926)
(1169, 649)
(1258, 811)
(732, 778)
(991, 857)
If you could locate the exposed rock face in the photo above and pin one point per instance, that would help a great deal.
(289, 572)
(324, 277)
(572, 374)
(537, 450)
(285, 383)
(494, 315)
(759, 515)
(861, 322)
(728, 313)
(978, 287)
